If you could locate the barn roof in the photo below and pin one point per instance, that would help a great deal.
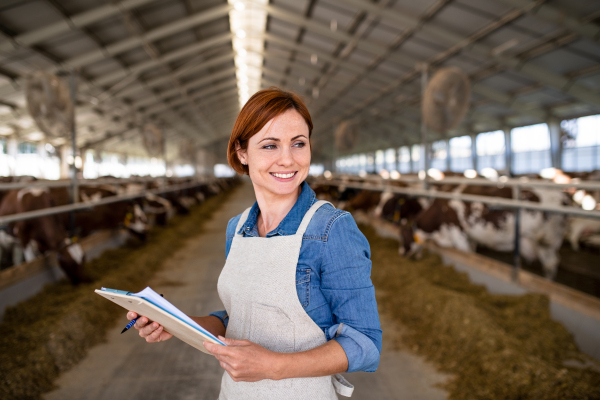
(179, 64)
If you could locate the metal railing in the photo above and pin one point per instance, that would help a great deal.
(380, 184)
(81, 182)
(7, 219)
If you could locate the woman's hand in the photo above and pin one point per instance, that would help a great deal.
(246, 361)
(153, 332)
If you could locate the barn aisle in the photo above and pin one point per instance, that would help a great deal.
(127, 367)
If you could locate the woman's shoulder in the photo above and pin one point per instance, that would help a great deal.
(232, 224)
(326, 218)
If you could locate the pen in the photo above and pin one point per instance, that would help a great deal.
(132, 322)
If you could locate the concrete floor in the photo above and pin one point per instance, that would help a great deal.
(126, 367)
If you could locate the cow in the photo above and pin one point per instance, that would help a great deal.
(43, 234)
(465, 225)
(127, 214)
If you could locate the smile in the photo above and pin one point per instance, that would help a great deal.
(283, 176)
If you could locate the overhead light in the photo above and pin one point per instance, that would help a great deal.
(315, 92)
(247, 27)
(314, 59)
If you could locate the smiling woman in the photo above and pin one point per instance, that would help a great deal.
(299, 303)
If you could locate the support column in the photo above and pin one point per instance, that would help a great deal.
(474, 152)
(555, 143)
(508, 151)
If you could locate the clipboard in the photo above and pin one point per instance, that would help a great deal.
(171, 323)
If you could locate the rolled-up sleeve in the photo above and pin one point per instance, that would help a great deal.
(347, 287)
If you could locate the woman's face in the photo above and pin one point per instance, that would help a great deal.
(278, 156)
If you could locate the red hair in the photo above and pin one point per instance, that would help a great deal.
(262, 107)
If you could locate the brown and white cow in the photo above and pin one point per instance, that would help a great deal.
(44, 233)
(465, 225)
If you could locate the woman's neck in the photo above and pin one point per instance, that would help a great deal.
(273, 209)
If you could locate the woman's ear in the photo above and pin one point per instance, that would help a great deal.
(241, 153)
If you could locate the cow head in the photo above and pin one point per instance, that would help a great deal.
(71, 258)
(411, 244)
(136, 222)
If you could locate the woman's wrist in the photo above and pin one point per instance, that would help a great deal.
(281, 366)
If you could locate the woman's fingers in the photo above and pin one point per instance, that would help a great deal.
(155, 335)
(148, 329)
(131, 315)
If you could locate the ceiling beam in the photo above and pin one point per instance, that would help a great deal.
(81, 20)
(558, 17)
(470, 44)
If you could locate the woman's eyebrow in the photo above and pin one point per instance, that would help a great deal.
(277, 140)
(269, 138)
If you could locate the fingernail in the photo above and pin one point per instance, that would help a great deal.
(155, 325)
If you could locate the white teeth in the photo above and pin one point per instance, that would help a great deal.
(283, 176)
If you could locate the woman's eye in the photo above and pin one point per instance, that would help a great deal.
(300, 144)
(269, 147)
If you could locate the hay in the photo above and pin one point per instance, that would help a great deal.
(52, 331)
(494, 346)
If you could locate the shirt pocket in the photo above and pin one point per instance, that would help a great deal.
(303, 286)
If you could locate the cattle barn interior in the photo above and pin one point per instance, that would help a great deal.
(462, 135)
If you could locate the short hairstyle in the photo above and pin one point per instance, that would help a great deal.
(262, 107)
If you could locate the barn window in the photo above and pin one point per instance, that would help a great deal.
(390, 159)
(27, 148)
(531, 149)
(460, 154)
(581, 138)
(417, 159)
(404, 160)
(379, 160)
(439, 152)
(491, 150)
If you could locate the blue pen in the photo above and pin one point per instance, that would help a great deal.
(130, 324)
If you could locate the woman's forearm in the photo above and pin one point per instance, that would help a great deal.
(212, 324)
(327, 359)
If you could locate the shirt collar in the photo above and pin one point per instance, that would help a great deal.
(290, 224)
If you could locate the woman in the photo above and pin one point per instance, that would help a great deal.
(300, 305)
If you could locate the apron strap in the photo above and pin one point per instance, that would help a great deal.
(308, 216)
(242, 220)
(342, 386)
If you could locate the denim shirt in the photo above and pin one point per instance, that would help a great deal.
(333, 277)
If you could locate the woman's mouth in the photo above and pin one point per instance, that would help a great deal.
(284, 176)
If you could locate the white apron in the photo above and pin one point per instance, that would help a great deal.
(258, 288)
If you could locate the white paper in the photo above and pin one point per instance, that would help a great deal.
(163, 303)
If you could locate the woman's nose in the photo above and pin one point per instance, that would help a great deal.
(286, 158)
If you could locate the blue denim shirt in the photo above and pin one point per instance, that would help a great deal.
(333, 277)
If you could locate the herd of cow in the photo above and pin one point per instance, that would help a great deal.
(466, 225)
(27, 239)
